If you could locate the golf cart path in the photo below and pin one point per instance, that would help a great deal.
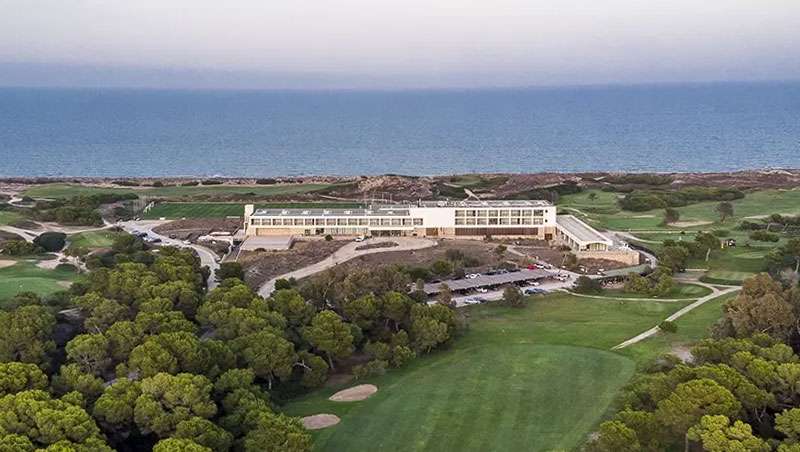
(715, 293)
(346, 253)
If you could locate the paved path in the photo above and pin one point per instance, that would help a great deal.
(27, 235)
(346, 253)
(716, 292)
(207, 257)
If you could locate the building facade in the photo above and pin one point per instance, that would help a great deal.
(463, 219)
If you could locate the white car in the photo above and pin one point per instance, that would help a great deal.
(470, 301)
(360, 238)
(482, 290)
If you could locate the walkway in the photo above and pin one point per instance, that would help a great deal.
(715, 292)
(346, 253)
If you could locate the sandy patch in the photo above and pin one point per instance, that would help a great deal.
(683, 352)
(689, 224)
(354, 394)
(644, 216)
(319, 421)
(65, 284)
(49, 264)
(6, 263)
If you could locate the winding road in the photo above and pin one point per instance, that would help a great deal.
(346, 253)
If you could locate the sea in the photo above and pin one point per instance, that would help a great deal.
(140, 132)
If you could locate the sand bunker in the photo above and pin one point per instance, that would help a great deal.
(6, 263)
(319, 421)
(355, 393)
(689, 224)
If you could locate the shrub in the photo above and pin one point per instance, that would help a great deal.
(587, 285)
(721, 232)
(51, 241)
(668, 327)
(401, 355)
(284, 283)
(442, 267)
(328, 237)
(191, 183)
(372, 368)
(158, 183)
(212, 182)
(266, 181)
(764, 236)
(19, 248)
(230, 270)
(513, 297)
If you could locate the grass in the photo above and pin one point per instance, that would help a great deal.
(680, 291)
(603, 211)
(93, 239)
(691, 328)
(172, 210)
(8, 217)
(25, 276)
(497, 387)
(59, 190)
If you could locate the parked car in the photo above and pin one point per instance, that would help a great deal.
(535, 291)
(360, 238)
(482, 290)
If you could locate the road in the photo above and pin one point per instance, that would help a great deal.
(207, 257)
(346, 253)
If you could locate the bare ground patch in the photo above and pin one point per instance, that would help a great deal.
(354, 394)
(319, 421)
(6, 263)
(689, 224)
(478, 256)
(261, 266)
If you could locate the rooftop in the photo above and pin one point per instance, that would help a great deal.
(478, 203)
(579, 230)
(486, 280)
(331, 213)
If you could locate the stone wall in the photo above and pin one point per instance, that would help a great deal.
(627, 257)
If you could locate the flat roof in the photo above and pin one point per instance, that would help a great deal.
(579, 230)
(331, 213)
(475, 203)
(486, 280)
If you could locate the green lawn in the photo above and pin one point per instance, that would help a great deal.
(26, 276)
(8, 217)
(691, 328)
(174, 210)
(59, 190)
(537, 378)
(604, 212)
(680, 291)
(93, 239)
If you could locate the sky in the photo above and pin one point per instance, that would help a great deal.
(390, 44)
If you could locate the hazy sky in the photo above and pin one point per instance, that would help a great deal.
(395, 43)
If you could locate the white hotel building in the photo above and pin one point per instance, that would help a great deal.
(454, 219)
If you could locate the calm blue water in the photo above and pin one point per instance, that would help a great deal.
(54, 132)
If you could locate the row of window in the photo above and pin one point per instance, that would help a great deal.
(498, 221)
(465, 213)
(336, 221)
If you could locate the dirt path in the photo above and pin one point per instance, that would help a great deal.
(344, 254)
(715, 293)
